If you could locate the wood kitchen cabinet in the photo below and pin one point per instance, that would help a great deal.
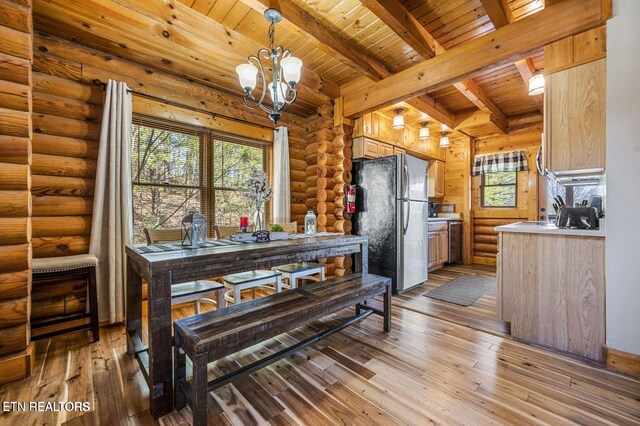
(433, 249)
(551, 288)
(364, 147)
(438, 240)
(574, 119)
(436, 179)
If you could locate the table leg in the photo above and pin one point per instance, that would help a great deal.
(160, 363)
(133, 304)
(387, 309)
(361, 263)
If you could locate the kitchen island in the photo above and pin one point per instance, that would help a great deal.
(551, 286)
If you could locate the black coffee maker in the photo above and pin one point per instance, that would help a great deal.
(433, 210)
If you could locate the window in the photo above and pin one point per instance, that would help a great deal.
(178, 168)
(499, 189)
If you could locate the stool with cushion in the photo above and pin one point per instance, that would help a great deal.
(199, 291)
(50, 269)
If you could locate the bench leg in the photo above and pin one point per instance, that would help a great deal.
(387, 309)
(199, 391)
(179, 373)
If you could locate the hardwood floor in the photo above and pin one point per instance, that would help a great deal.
(425, 371)
(481, 315)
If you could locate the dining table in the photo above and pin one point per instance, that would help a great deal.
(163, 265)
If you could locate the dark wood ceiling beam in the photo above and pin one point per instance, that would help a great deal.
(507, 44)
(404, 24)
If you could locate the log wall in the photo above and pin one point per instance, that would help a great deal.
(67, 110)
(328, 173)
(15, 186)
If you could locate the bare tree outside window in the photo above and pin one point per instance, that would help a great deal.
(176, 169)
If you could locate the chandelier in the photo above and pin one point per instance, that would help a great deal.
(285, 73)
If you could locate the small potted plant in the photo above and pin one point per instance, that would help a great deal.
(276, 232)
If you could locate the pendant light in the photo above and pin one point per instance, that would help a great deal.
(398, 120)
(536, 84)
(444, 140)
(424, 131)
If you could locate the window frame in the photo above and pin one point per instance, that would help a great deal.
(483, 186)
(207, 136)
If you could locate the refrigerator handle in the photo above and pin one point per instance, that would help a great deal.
(405, 182)
(405, 225)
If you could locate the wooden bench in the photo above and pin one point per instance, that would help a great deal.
(213, 335)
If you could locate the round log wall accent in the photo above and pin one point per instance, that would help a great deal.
(328, 174)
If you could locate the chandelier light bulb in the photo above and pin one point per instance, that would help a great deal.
(291, 68)
(398, 120)
(248, 76)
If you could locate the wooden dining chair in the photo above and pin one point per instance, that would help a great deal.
(293, 272)
(235, 283)
(199, 291)
(225, 231)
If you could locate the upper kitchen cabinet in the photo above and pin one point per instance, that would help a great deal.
(374, 136)
(436, 179)
(574, 104)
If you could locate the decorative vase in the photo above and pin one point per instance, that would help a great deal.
(258, 220)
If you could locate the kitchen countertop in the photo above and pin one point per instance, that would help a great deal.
(443, 219)
(551, 229)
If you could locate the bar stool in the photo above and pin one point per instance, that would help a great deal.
(47, 270)
(293, 272)
(200, 291)
(235, 283)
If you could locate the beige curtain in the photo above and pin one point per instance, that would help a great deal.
(281, 179)
(112, 224)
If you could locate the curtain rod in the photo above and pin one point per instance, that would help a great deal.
(98, 82)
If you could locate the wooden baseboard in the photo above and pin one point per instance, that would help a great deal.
(623, 362)
(18, 365)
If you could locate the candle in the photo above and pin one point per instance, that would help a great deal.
(244, 223)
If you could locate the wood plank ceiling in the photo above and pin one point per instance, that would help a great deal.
(340, 42)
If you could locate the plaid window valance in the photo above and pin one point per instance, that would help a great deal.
(514, 161)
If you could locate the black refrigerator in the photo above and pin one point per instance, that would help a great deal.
(392, 210)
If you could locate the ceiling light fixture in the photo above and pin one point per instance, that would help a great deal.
(536, 84)
(285, 75)
(444, 140)
(424, 131)
(398, 120)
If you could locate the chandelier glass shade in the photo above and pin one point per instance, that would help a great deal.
(286, 70)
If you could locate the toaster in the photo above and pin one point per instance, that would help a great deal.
(578, 218)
